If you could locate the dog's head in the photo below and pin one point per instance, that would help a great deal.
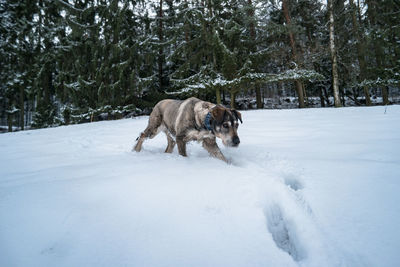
(225, 125)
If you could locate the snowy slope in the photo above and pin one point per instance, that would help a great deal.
(313, 187)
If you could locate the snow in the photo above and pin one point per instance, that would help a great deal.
(311, 187)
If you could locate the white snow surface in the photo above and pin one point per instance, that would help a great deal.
(311, 187)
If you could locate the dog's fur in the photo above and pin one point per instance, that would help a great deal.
(184, 121)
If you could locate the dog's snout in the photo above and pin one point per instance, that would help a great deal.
(236, 140)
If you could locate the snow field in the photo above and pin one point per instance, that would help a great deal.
(314, 187)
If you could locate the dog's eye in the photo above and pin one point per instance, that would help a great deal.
(225, 125)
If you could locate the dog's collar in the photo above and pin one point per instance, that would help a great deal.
(207, 122)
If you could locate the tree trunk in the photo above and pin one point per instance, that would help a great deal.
(9, 122)
(299, 86)
(21, 108)
(304, 94)
(263, 97)
(258, 96)
(160, 50)
(187, 27)
(342, 94)
(252, 30)
(218, 95)
(217, 89)
(321, 97)
(335, 76)
(360, 51)
(250, 13)
(233, 96)
(46, 86)
(326, 96)
(299, 89)
(385, 95)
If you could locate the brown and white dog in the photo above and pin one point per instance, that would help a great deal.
(192, 120)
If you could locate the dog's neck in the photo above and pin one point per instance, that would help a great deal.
(202, 111)
(207, 122)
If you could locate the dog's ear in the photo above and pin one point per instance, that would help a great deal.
(218, 113)
(237, 114)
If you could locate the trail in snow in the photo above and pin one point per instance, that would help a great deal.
(289, 218)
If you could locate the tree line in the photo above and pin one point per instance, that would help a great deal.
(70, 61)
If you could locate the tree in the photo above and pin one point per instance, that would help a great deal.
(299, 86)
(16, 48)
(332, 46)
(383, 25)
(253, 46)
(360, 50)
(160, 39)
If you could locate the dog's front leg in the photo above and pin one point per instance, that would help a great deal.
(211, 146)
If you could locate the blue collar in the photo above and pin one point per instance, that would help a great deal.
(207, 122)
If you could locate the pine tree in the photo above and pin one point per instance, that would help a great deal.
(383, 25)
(299, 86)
(360, 49)
(16, 46)
(45, 68)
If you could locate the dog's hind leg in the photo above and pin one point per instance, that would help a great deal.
(139, 142)
(181, 146)
(152, 129)
(171, 143)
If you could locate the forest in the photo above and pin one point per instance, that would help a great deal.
(74, 61)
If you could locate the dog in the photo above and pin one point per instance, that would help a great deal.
(192, 120)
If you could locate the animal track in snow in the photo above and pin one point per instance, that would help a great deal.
(295, 186)
(283, 232)
(292, 182)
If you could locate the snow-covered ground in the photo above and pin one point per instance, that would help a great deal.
(312, 187)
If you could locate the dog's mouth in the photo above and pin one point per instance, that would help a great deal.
(231, 143)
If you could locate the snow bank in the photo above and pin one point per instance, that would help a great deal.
(314, 187)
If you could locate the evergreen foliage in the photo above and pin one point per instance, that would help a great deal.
(71, 61)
